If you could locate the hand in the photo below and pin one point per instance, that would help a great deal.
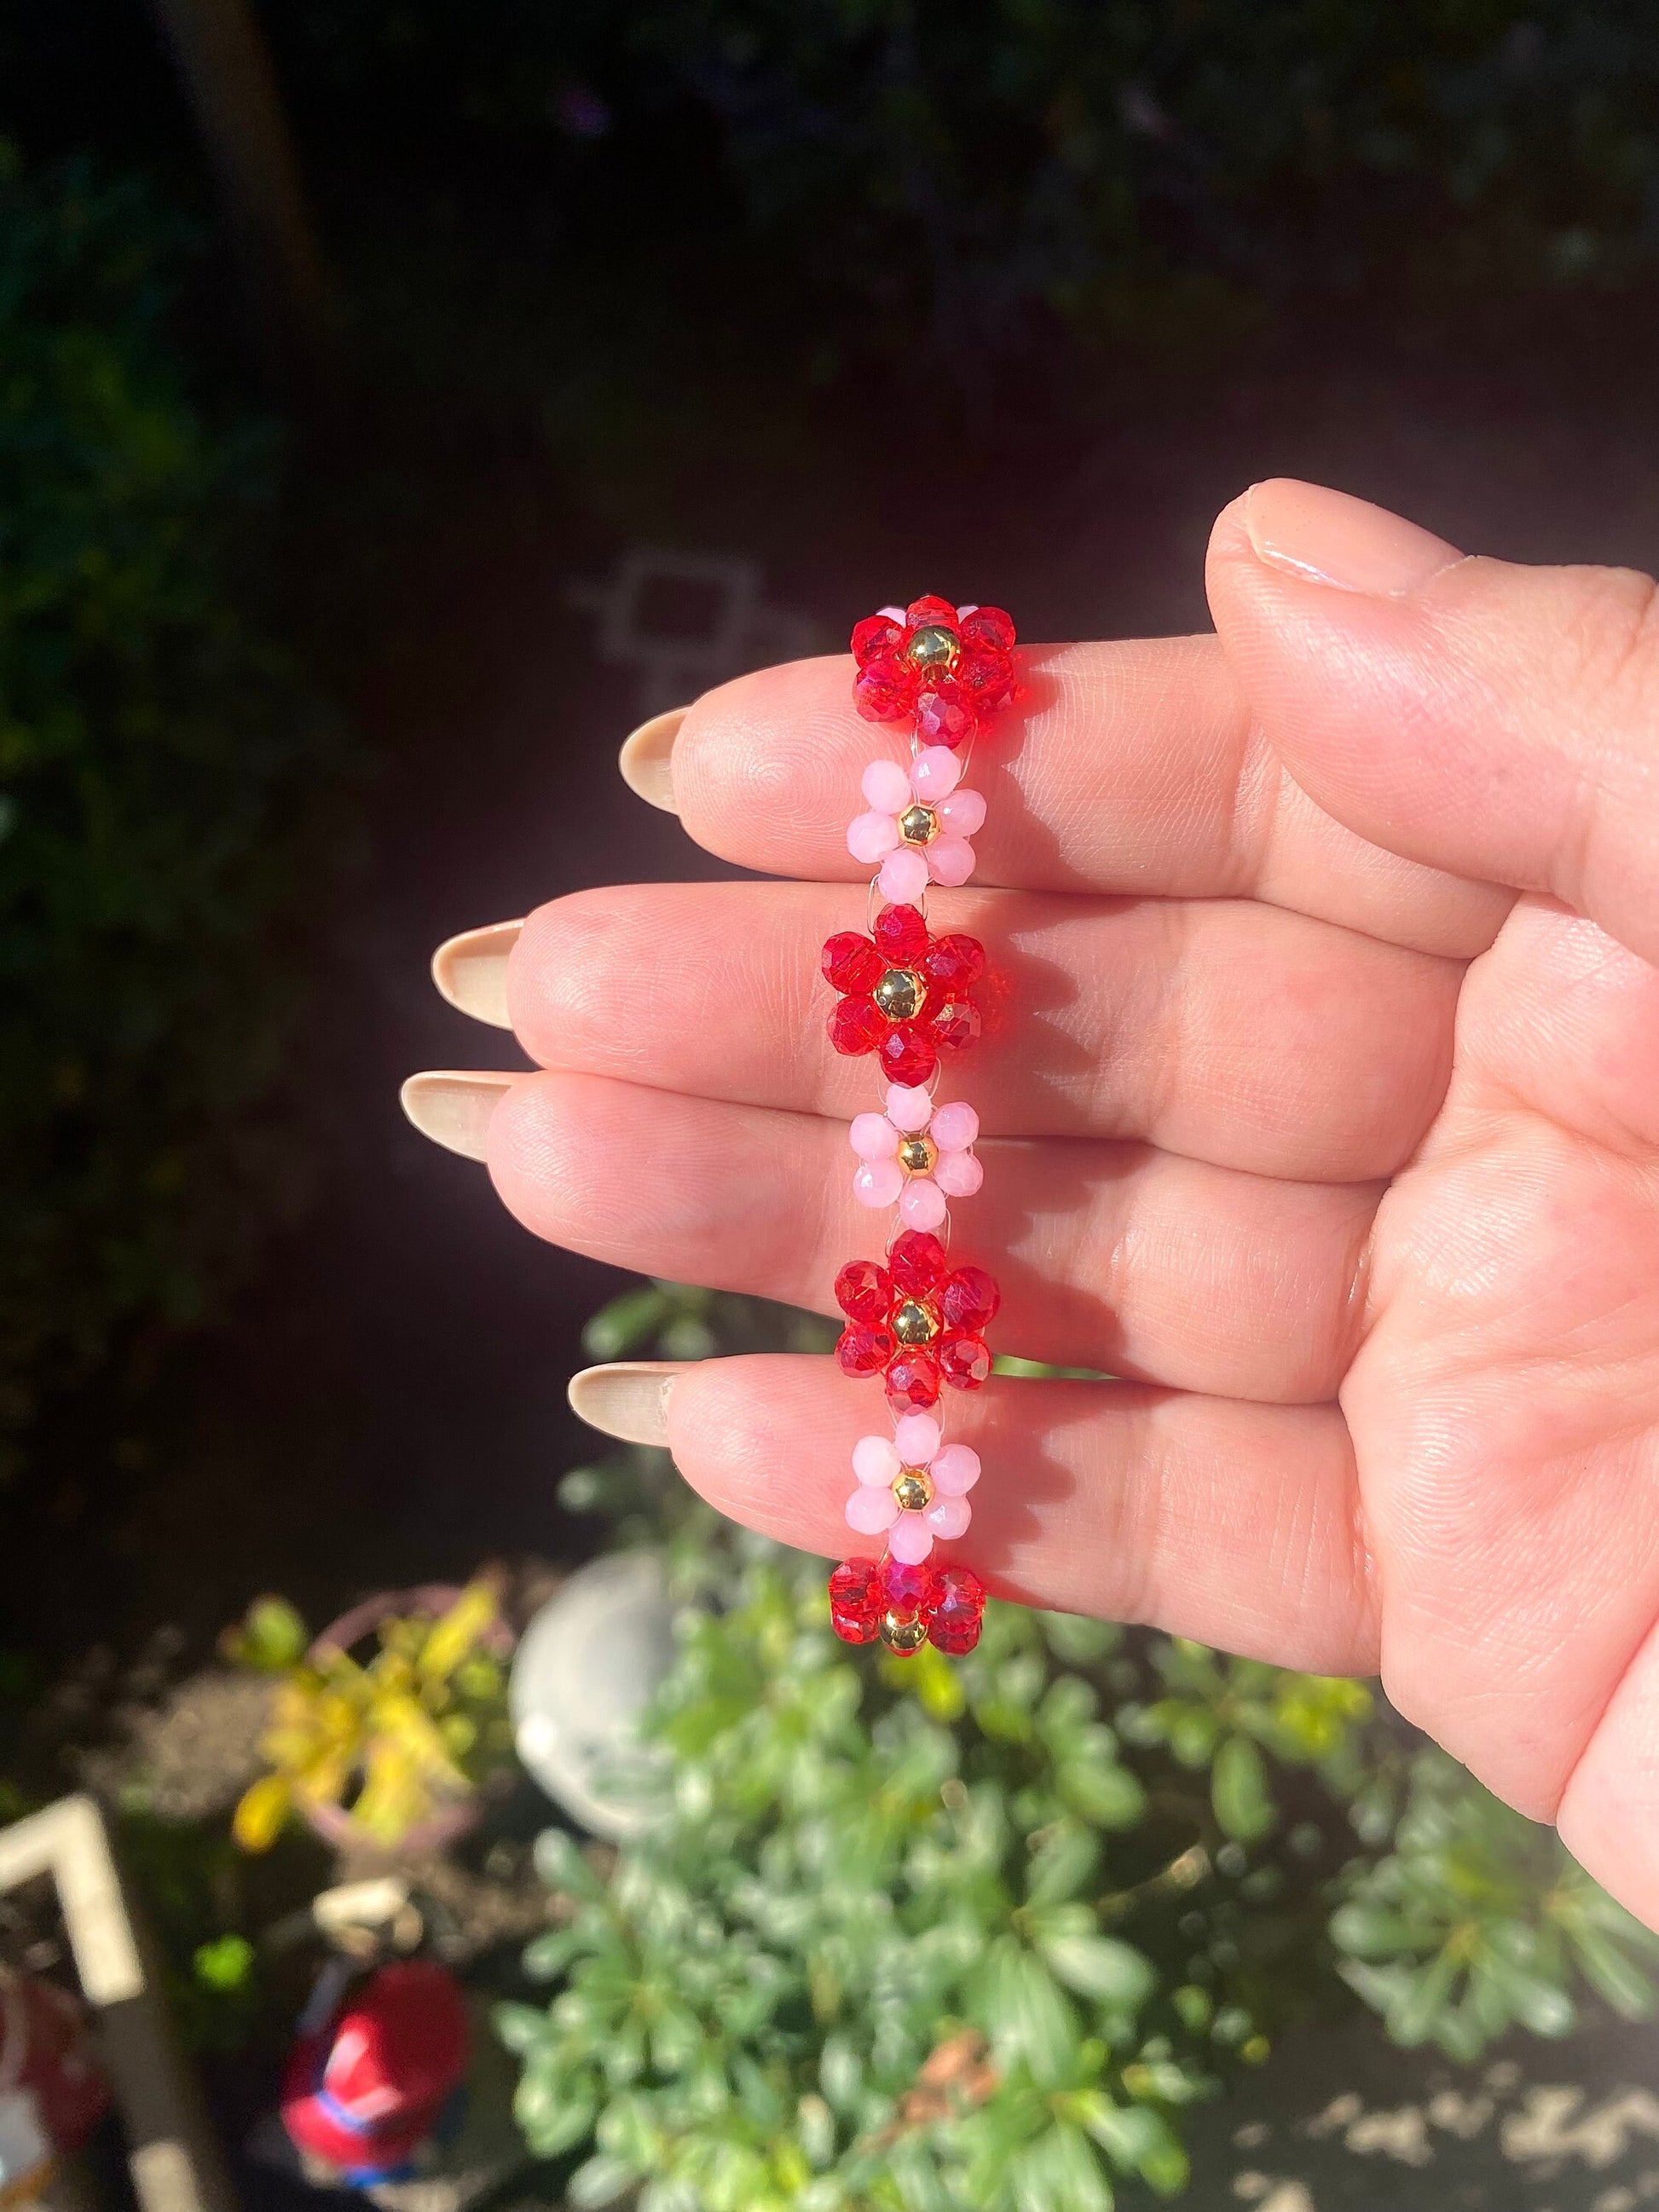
(1322, 1105)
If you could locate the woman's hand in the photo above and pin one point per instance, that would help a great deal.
(1321, 1100)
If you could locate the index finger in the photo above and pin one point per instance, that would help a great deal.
(1129, 767)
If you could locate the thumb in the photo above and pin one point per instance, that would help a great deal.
(1498, 722)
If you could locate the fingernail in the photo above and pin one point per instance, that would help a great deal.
(1325, 538)
(627, 1399)
(452, 1106)
(645, 756)
(471, 970)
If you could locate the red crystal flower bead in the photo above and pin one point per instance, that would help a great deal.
(907, 1606)
(916, 1322)
(906, 995)
(947, 670)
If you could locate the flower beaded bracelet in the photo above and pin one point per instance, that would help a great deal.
(906, 996)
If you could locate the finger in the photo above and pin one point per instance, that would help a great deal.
(1226, 1030)
(1608, 1816)
(1129, 768)
(1111, 1256)
(1232, 1523)
(1495, 721)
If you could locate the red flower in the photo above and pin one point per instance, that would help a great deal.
(905, 995)
(895, 1602)
(915, 1322)
(950, 668)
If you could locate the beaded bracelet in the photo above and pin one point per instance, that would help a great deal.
(906, 996)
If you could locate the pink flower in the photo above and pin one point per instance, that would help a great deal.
(912, 1488)
(916, 1155)
(919, 825)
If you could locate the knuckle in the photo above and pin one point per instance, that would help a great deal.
(1612, 638)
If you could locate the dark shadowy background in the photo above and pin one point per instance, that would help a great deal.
(304, 555)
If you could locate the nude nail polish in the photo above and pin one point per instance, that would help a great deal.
(627, 1398)
(646, 756)
(470, 971)
(452, 1106)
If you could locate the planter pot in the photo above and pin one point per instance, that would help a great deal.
(333, 1823)
(586, 1666)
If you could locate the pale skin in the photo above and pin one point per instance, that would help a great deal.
(1321, 1095)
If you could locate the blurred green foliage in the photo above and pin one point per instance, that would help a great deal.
(934, 1933)
(160, 830)
(977, 173)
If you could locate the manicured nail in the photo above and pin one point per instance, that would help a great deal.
(627, 1399)
(645, 758)
(471, 970)
(452, 1106)
(1325, 538)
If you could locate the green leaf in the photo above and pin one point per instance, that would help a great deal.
(1140, 2141)
(1239, 1791)
(561, 1865)
(520, 2027)
(626, 1323)
(547, 1955)
(554, 2119)
(1612, 1973)
(1110, 1795)
(602, 2180)
(1424, 1994)
(272, 1637)
(1371, 1931)
(1077, 1640)
(1066, 1863)
(1027, 2016)
(1113, 1973)
(1540, 2004)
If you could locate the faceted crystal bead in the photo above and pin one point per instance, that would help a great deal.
(864, 1291)
(856, 1025)
(909, 1585)
(858, 1599)
(983, 682)
(913, 1381)
(910, 1539)
(945, 715)
(969, 1299)
(877, 634)
(964, 1361)
(852, 963)
(955, 1024)
(988, 629)
(883, 689)
(916, 1264)
(930, 609)
(901, 936)
(958, 1610)
(953, 961)
(907, 1055)
(864, 1349)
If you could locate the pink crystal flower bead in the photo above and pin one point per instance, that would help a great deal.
(912, 1488)
(918, 825)
(916, 1156)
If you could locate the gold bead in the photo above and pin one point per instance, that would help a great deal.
(900, 994)
(913, 1486)
(902, 1635)
(933, 646)
(915, 1323)
(918, 1155)
(917, 824)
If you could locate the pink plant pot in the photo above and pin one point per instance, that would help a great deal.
(332, 1822)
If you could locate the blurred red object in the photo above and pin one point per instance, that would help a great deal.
(366, 2091)
(45, 2055)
